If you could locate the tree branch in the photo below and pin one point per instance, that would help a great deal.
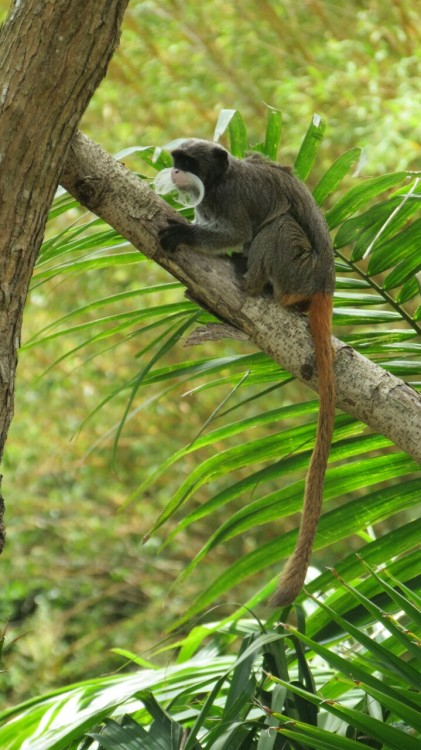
(369, 393)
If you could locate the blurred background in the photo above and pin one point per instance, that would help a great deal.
(76, 580)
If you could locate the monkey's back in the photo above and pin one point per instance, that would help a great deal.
(292, 234)
(272, 215)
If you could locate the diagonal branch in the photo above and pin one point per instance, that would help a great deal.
(369, 393)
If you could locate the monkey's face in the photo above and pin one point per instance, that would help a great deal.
(198, 166)
(188, 186)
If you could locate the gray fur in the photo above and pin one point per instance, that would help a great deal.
(261, 209)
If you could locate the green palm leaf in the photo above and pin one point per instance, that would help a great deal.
(344, 690)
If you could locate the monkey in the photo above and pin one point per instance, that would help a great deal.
(262, 210)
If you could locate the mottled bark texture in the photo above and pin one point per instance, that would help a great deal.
(385, 403)
(53, 55)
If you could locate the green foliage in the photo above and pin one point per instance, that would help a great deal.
(356, 63)
(75, 579)
(288, 687)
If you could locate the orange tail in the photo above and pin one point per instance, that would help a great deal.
(292, 580)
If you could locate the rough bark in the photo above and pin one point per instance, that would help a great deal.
(384, 402)
(53, 55)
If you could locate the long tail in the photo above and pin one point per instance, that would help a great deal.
(293, 576)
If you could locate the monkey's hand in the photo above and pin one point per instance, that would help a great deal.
(174, 234)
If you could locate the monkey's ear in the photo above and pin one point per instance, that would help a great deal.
(220, 154)
(220, 161)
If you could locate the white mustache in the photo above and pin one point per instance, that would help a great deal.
(189, 197)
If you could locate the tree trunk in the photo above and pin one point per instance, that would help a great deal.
(53, 55)
(387, 404)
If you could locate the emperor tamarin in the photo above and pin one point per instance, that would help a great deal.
(263, 210)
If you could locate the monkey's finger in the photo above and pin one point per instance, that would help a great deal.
(174, 234)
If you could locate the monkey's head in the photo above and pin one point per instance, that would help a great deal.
(198, 166)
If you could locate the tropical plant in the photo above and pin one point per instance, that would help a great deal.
(347, 678)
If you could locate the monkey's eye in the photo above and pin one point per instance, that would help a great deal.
(185, 163)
